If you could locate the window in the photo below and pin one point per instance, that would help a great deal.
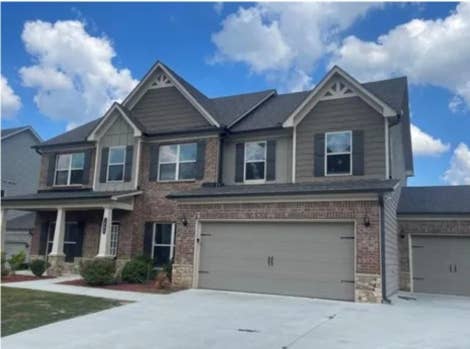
(116, 162)
(163, 243)
(69, 168)
(114, 239)
(255, 161)
(177, 162)
(338, 150)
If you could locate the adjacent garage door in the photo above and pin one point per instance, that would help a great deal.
(301, 259)
(441, 265)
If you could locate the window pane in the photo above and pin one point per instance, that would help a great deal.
(161, 255)
(76, 177)
(116, 155)
(78, 160)
(167, 172)
(168, 153)
(188, 152)
(338, 164)
(63, 162)
(255, 151)
(254, 170)
(339, 142)
(163, 234)
(115, 172)
(61, 177)
(187, 170)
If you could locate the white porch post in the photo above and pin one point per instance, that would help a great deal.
(105, 234)
(3, 228)
(59, 234)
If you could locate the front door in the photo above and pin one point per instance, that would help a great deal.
(72, 241)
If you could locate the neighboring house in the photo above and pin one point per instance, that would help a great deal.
(20, 175)
(291, 194)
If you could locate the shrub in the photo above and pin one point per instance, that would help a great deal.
(4, 265)
(16, 261)
(137, 270)
(98, 271)
(38, 267)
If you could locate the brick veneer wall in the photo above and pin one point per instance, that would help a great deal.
(429, 227)
(368, 282)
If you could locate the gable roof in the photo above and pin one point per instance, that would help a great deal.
(10, 132)
(435, 200)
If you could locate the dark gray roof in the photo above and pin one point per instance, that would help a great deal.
(23, 222)
(391, 91)
(435, 200)
(67, 194)
(9, 131)
(351, 186)
(76, 135)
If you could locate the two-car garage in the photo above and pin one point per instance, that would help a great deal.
(289, 258)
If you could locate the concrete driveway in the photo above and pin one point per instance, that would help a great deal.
(212, 319)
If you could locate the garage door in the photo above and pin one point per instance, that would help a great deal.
(441, 265)
(301, 259)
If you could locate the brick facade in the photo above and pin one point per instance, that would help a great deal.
(426, 227)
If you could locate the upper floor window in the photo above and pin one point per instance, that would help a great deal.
(177, 162)
(69, 168)
(338, 153)
(116, 163)
(255, 161)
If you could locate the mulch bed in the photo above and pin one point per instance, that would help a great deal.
(148, 287)
(18, 278)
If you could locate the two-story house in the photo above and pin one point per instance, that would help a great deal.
(262, 192)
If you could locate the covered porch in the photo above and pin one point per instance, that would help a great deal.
(73, 225)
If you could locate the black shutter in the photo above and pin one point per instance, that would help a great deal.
(43, 239)
(319, 155)
(153, 170)
(358, 153)
(86, 167)
(201, 154)
(128, 166)
(239, 162)
(51, 169)
(148, 239)
(271, 160)
(104, 164)
(80, 234)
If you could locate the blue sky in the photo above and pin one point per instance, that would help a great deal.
(231, 48)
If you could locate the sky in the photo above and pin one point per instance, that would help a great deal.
(63, 64)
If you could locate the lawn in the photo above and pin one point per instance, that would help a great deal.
(25, 309)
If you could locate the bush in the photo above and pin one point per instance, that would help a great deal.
(16, 261)
(137, 270)
(4, 264)
(98, 272)
(38, 267)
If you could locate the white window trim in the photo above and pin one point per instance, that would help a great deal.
(177, 163)
(171, 245)
(114, 224)
(350, 152)
(245, 161)
(115, 164)
(69, 169)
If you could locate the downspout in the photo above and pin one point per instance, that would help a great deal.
(382, 249)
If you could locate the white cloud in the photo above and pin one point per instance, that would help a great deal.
(11, 103)
(284, 40)
(219, 7)
(459, 170)
(73, 74)
(434, 52)
(456, 104)
(424, 144)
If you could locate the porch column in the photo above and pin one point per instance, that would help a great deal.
(3, 228)
(105, 234)
(59, 234)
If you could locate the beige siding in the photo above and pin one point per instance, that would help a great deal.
(167, 110)
(337, 115)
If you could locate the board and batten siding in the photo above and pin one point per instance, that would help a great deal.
(165, 109)
(283, 155)
(341, 115)
(119, 133)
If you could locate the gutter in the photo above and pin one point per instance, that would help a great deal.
(382, 250)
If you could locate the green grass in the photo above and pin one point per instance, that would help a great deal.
(25, 309)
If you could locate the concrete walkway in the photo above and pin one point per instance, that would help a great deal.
(214, 319)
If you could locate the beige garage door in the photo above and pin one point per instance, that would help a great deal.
(441, 265)
(300, 259)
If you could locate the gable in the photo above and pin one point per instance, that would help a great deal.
(118, 132)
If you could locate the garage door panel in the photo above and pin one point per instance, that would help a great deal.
(308, 259)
